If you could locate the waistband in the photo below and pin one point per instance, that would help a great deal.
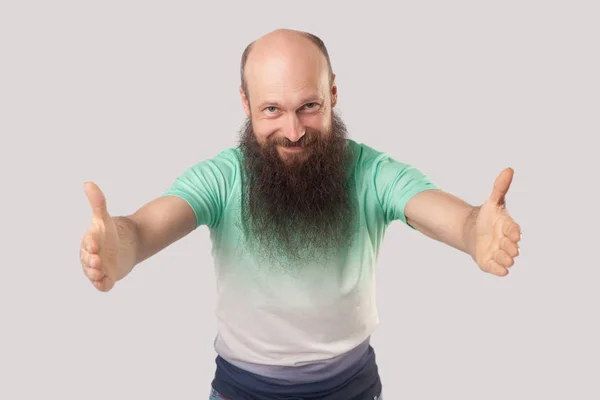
(356, 381)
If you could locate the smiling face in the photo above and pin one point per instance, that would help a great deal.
(296, 199)
(290, 94)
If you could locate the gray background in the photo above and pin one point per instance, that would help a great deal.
(131, 93)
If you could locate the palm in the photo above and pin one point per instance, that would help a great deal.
(496, 233)
(99, 247)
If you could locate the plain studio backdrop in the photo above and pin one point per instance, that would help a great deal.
(129, 94)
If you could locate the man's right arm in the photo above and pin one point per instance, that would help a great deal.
(113, 246)
(153, 227)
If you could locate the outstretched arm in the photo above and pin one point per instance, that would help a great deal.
(114, 245)
(487, 232)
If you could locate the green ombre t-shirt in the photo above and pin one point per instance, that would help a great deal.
(270, 317)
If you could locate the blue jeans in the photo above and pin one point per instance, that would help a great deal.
(216, 396)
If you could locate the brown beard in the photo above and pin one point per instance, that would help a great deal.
(300, 209)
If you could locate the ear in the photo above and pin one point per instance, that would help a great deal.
(334, 93)
(245, 102)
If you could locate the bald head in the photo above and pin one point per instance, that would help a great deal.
(284, 46)
(288, 88)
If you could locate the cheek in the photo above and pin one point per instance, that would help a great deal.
(319, 122)
(263, 130)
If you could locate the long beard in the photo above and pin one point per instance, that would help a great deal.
(299, 210)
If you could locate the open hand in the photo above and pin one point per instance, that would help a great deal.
(99, 246)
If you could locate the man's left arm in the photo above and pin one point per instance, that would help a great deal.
(487, 232)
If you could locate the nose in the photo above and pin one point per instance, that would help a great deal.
(293, 129)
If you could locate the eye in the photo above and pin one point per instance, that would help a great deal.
(311, 106)
(271, 109)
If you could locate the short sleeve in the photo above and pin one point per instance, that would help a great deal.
(396, 183)
(206, 186)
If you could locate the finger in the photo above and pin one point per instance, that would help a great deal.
(503, 259)
(104, 284)
(91, 260)
(84, 257)
(91, 241)
(501, 186)
(93, 274)
(95, 261)
(496, 269)
(511, 229)
(510, 247)
(97, 201)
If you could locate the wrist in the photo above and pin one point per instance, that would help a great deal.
(126, 245)
(470, 232)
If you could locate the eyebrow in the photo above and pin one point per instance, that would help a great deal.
(309, 99)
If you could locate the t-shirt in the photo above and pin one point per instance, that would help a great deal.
(269, 319)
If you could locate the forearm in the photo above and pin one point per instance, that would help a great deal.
(445, 218)
(129, 244)
(151, 229)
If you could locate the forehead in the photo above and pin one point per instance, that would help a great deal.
(286, 75)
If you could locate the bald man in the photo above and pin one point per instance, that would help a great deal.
(297, 214)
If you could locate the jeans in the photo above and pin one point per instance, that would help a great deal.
(216, 396)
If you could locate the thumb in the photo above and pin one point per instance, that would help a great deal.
(97, 200)
(501, 186)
